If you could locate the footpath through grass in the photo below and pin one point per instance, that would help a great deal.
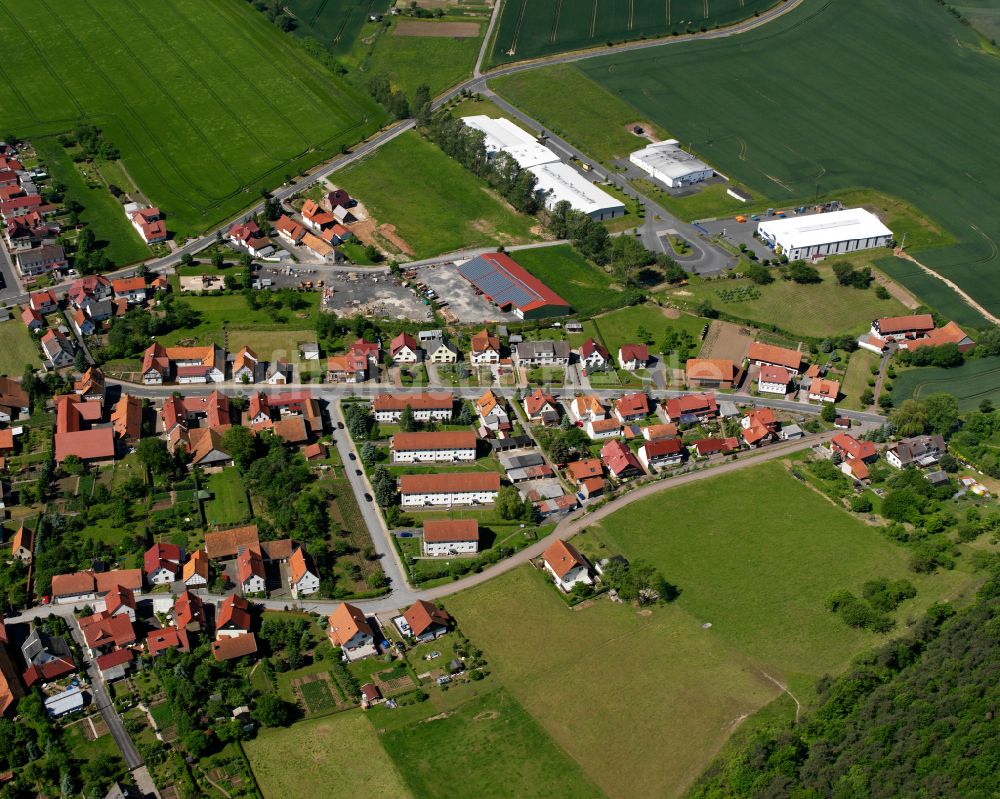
(436, 205)
(207, 101)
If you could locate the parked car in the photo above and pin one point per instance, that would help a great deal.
(352, 456)
(357, 472)
(368, 496)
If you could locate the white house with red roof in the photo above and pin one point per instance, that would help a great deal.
(631, 407)
(57, 348)
(850, 448)
(759, 427)
(664, 452)
(425, 406)
(619, 460)
(130, 289)
(598, 429)
(773, 380)
(45, 302)
(566, 566)
(148, 223)
(403, 349)
(541, 406)
(249, 236)
(594, 357)
(162, 563)
(302, 576)
(633, 356)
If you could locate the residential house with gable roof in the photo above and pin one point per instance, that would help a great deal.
(566, 565)
(302, 576)
(349, 630)
(541, 406)
(632, 357)
(594, 357)
(484, 349)
(426, 621)
(403, 349)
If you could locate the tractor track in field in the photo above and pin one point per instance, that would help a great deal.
(899, 253)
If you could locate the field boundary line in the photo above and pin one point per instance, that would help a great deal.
(142, 124)
(905, 256)
(169, 97)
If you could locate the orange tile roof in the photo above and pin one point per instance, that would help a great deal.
(590, 467)
(779, 356)
(249, 564)
(483, 341)
(449, 482)
(562, 558)
(710, 369)
(424, 401)
(443, 531)
(197, 565)
(444, 439)
(226, 543)
(422, 615)
(774, 374)
(824, 388)
(536, 401)
(233, 611)
(297, 565)
(346, 621)
(234, 646)
(888, 325)
(189, 610)
(126, 418)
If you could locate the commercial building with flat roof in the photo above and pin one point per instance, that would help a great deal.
(502, 135)
(666, 162)
(558, 181)
(819, 235)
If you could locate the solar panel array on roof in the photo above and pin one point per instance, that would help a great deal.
(499, 286)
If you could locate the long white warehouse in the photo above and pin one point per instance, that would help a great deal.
(556, 181)
(666, 162)
(502, 135)
(560, 181)
(818, 235)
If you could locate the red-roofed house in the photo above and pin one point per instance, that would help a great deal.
(450, 537)
(619, 460)
(246, 366)
(823, 390)
(436, 405)
(32, 319)
(58, 349)
(159, 641)
(130, 289)
(594, 357)
(769, 355)
(707, 447)
(567, 566)
(349, 629)
(664, 452)
(856, 469)
(161, 563)
(632, 407)
(541, 406)
(302, 576)
(848, 447)
(45, 302)
(598, 429)
(899, 328)
(403, 349)
(633, 356)
(250, 573)
(290, 232)
(426, 621)
(148, 223)
(248, 235)
(773, 380)
(233, 617)
(759, 427)
(951, 333)
(119, 601)
(484, 348)
(104, 632)
(690, 407)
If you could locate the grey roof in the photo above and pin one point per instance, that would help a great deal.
(434, 344)
(101, 308)
(521, 461)
(728, 409)
(429, 335)
(120, 791)
(309, 346)
(791, 431)
(40, 642)
(66, 702)
(937, 477)
(528, 350)
(514, 442)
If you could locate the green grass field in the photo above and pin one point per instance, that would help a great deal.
(17, 348)
(815, 309)
(207, 101)
(312, 758)
(269, 334)
(408, 61)
(583, 285)
(857, 376)
(730, 101)
(970, 383)
(611, 685)
(228, 505)
(621, 327)
(532, 29)
(102, 213)
(436, 205)
(488, 746)
(556, 101)
(335, 24)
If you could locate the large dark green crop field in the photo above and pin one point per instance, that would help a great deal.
(896, 96)
(334, 23)
(206, 100)
(532, 28)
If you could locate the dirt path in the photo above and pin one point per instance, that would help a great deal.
(784, 689)
(950, 284)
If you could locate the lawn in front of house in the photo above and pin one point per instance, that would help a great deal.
(228, 505)
(18, 348)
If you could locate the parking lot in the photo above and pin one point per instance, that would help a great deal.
(379, 295)
(463, 304)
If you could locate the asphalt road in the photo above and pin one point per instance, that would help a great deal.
(477, 83)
